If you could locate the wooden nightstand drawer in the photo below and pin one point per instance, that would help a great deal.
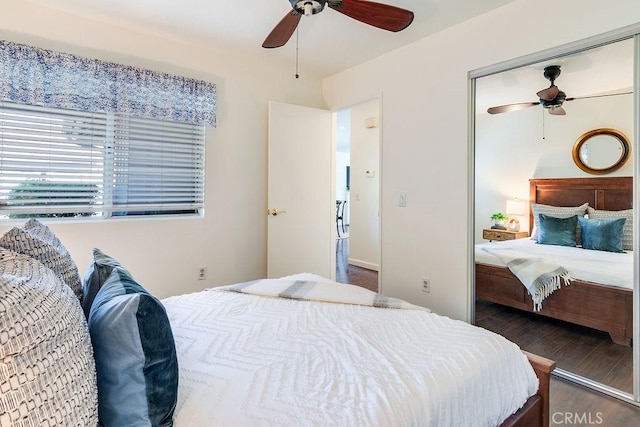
(492, 234)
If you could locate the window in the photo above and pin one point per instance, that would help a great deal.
(58, 162)
(84, 137)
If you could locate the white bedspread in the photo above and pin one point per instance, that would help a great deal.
(607, 268)
(249, 360)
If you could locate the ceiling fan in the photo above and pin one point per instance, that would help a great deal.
(551, 98)
(379, 15)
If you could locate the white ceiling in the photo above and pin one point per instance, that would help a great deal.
(328, 42)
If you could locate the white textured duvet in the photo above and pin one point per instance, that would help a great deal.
(249, 360)
(607, 268)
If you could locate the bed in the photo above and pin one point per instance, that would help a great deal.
(599, 305)
(300, 350)
(327, 357)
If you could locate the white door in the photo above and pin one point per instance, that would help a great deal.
(300, 234)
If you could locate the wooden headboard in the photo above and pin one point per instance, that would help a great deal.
(611, 194)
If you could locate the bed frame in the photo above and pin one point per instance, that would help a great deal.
(584, 303)
(535, 411)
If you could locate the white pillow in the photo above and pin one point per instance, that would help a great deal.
(38, 241)
(47, 370)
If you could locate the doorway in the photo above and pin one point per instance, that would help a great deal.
(357, 177)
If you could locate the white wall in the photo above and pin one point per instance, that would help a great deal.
(364, 234)
(230, 240)
(510, 149)
(425, 133)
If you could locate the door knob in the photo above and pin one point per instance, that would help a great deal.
(275, 212)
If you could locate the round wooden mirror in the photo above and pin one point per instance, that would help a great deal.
(601, 151)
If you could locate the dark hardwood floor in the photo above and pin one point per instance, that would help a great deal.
(347, 273)
(577, 349)
(574, 405)
(571, 404)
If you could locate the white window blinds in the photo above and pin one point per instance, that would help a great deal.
(60, 163)
(157, 166)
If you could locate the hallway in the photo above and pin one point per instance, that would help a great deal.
(346, 273)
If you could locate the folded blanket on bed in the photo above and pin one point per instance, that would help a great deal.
(539, 276)
(318, 291)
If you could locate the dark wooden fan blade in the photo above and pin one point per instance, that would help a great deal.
(599, 96)
(282, 32)
(511, 107)
(379, 15)
(549, 93)
(557, 111)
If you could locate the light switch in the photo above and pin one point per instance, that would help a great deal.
(402, 201)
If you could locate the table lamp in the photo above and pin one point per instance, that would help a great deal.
(515, 207)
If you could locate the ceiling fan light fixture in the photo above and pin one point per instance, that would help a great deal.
(551, 98)
(548, 93)
(555, 102)
(308, 7)
(383, 16)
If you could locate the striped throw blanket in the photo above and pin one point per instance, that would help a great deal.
(539, 276)
(318, 291)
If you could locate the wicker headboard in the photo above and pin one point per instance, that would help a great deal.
(612, 194)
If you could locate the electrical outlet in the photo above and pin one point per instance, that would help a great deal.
(202, 273)
(426, 285)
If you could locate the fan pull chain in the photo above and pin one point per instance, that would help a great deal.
(297, 75)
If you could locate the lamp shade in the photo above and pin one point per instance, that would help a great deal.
(516, 207)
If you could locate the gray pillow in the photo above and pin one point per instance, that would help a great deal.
(557, 231)
(38, 241)
(558, 212)
(627, 232)
(602, 234)
(47, 374)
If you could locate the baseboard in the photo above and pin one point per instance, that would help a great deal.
(364, 264)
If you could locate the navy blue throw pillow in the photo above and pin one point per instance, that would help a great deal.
(602, 234)
(134, 349)
(97, 273)
(557, 231)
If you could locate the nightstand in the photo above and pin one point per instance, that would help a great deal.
(493, 234)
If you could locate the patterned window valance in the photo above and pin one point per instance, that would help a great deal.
(30, 75)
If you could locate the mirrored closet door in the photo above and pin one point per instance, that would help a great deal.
(554, 196)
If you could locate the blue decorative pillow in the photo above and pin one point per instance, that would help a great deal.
(627, 232)
(602, 234)
(557, 231)
(135, 354)
(557, 212)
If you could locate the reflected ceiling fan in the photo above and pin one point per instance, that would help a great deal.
(379, 15)
(551, 98)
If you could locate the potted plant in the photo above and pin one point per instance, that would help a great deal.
(498, 221)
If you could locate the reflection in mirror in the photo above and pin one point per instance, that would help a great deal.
(590, 342)
(601, 151)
